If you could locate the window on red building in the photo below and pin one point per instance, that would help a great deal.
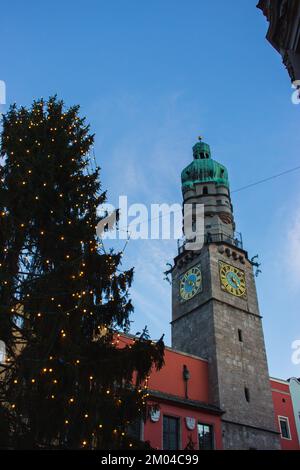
(205, 436)
(170, 433)
(284, 427)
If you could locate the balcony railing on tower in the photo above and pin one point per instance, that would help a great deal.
(218, 237)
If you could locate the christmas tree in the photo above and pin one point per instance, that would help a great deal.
(68, 381)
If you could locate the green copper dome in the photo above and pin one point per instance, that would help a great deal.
(203, 169)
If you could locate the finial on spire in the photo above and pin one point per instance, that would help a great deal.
(200, 137)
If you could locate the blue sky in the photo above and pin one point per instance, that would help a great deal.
(151, 76)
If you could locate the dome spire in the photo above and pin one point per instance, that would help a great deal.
(201, 150)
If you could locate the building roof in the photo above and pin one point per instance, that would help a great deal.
(186, 402)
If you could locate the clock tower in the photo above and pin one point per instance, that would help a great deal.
(215, 312)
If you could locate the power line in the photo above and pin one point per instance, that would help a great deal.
(291, 170)
(269, 178)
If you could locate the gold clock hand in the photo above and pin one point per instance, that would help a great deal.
(234, 281)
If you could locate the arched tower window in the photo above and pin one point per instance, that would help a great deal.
(205, 190)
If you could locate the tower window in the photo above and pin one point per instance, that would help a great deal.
(205, 190)
(240, 333)
(202, 155)
(247, 394)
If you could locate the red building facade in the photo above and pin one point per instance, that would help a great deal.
(180, 414)
(284, 414)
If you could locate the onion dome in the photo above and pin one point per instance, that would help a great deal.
(203, 169)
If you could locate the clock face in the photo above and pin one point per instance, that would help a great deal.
(190, 283)
(233, 280)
